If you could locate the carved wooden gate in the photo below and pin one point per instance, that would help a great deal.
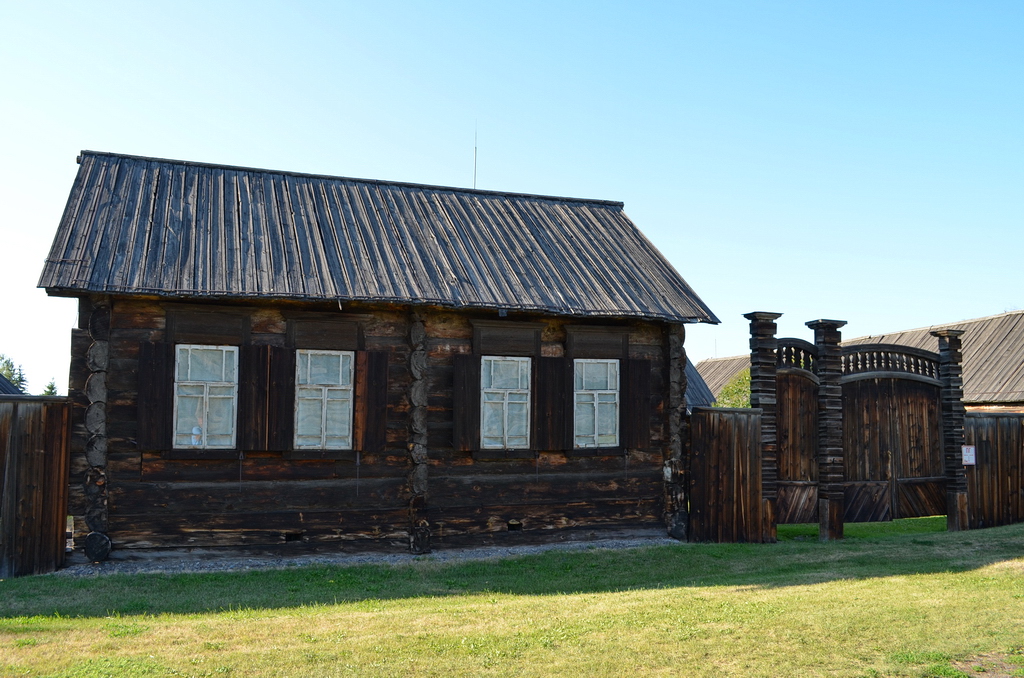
(892, 433)
(797, 403)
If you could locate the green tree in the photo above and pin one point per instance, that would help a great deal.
(737, 392)
(13, 372)
(51, 388)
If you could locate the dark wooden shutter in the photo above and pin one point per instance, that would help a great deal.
(551, 421)
(155, 396)
(636, 404)
(466, 403)
(253, 380)
(281, 399)
(371, 408)
(266, 398)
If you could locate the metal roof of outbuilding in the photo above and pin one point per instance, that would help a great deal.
(137, 225)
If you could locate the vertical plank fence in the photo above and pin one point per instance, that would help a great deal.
(34, 439)
(995, 484)
(725, 475)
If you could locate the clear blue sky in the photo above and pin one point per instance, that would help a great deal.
(853, 160)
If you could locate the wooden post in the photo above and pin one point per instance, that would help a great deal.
(952, 403)
(677, 465)
(763, 349)
(831, 469)
(419, 528)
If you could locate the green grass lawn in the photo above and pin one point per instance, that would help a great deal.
(896, 599)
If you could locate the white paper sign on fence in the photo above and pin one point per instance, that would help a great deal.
(969, 454)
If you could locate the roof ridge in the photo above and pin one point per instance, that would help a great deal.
(380, 182)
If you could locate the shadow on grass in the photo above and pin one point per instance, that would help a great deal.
(909, 547)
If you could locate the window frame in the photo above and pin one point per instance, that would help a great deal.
(233, 419)
(576, 392)
(505, 392)
(301, 353)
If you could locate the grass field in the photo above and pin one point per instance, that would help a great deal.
(897, 599)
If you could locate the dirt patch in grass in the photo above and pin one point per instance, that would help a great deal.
(993, 665)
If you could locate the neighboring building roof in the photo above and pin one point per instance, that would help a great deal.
(993, 350)
(7, 388)
(717, 372)
(697, 392)
(993, 363)
(137, 225)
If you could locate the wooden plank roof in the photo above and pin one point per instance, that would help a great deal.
(717, 372)
(993, 349)
(8, 388)
(697, 392)
(137, 225)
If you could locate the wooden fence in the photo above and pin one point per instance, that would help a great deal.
(34, 435)
(995, 484)
(725, 475)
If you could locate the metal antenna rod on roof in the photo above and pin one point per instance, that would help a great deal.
(474, 154)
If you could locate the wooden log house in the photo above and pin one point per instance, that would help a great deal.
(269, 357)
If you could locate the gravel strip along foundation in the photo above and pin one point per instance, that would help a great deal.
(181, 562)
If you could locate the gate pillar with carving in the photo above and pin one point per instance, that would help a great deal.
(831, 469)
(763, 347)
(952, 403)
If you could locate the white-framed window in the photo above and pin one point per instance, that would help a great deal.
(323, 399)
(504, 403)
(596, 398)
(205, 396)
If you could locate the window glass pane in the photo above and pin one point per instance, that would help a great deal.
(181, 374)
(190, 410)
(307, 441)
(491, 396)
(518, 416)
(339, 416)
(493, 442)
(485, 373)
(607, 419)
(613, 375)
(505, 374)
(222, 391)
(346, 369)
(220, 420)
(218, 441)
(302, 367)
(230, 358)
(585, 420)
(492, 423)
(595, 376)
(206, 364)
(584, 397)
(514, 397)
(578, 375)
(607, 397)
(190, 390)
(324, 368)
(517, 442)
(307, 392)
(524, 374)
(307, 418)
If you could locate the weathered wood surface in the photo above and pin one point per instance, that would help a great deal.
(894, 454)
(34, 462)
(797, 396)
(995, 484)
(725, 475)
(159, 497)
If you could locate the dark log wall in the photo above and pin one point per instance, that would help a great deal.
(143, 495)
